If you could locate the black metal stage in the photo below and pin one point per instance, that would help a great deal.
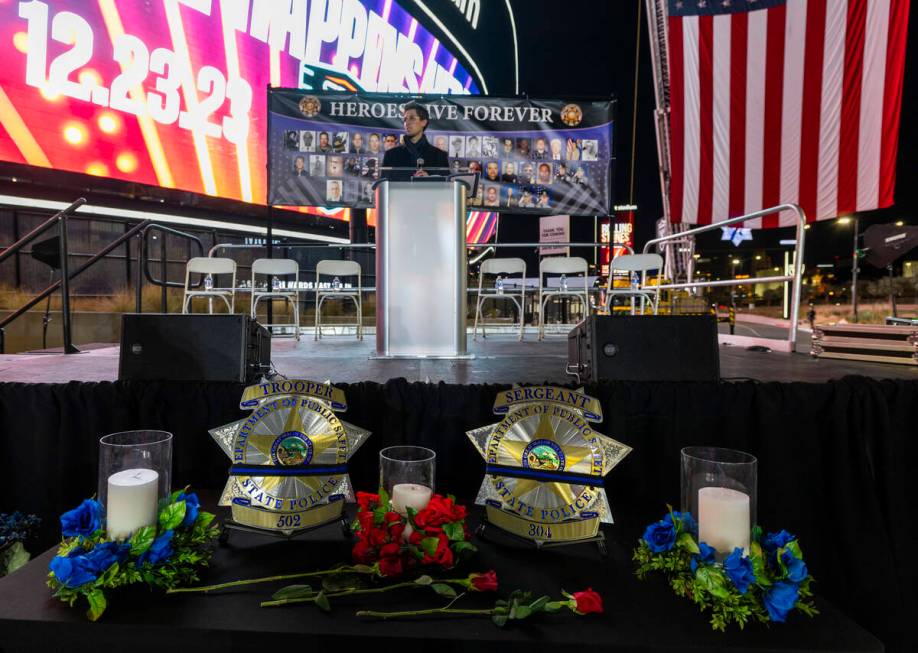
(499, 358)
(835, 451)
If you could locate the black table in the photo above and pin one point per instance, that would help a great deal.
(638, 615)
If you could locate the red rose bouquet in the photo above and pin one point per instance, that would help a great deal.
(394, 545)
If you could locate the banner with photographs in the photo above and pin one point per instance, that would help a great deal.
(535, 156)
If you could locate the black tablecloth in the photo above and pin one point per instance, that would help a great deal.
(638, 615)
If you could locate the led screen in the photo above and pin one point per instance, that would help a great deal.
(172, 92)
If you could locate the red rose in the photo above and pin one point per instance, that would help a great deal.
(367, 501)
(588, 601)
(391, 518)
(415, 538)
(365, 519)
(377, 536)
(389, 550)
(486, 582)
(363, 553)
(443, 556)
(395, 531)
(391, 566)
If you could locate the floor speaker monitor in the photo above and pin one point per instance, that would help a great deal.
(645, 348)
(193, 348)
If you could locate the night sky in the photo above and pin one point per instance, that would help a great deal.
(587, 48)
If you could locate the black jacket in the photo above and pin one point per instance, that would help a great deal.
(407, 155)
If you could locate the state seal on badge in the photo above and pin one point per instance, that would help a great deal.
(289, 457)
(545, 465)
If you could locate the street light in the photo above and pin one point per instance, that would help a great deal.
(900, 223)
(844, 221)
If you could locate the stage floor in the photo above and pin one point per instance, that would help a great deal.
(498, 359)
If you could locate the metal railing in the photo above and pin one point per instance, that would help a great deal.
(143, 265)
(796, 277)
(66, 276)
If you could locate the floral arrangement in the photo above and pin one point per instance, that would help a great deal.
(15, 529)
(396, 545)
(395, 552)
(766, 585)
(166, 555)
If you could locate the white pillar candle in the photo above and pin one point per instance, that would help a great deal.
(723, 519)
(132, 500)
(410, 495)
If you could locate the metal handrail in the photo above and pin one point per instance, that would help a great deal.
(61, 219)
(143, 265)
(64, 284)
(40, 229)
(220, 246)
(796, 277)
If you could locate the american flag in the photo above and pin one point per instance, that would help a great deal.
(775, 101)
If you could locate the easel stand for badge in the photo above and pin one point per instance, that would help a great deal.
(231, 525)
(496, 535)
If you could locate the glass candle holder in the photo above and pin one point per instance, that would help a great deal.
(135, 472)
(407, 475)
(719, 490)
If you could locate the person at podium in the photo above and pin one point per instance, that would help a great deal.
(415, 151)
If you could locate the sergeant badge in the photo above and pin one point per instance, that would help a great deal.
(545, 465)
(289, 458)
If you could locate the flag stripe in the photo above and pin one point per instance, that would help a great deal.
(795, 51)
(830, 116)
(892, 99)
(720, 204)
(755, 113)
(677, 118)
(692, 119)
(849, 131)
(774, 101)
(871, 110)
(812, 106)
(739, 42)
(706, 118)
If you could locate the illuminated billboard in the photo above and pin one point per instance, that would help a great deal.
(172, 92)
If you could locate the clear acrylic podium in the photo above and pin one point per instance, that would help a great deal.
(421, 299)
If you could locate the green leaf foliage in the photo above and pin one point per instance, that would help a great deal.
(172, 515)
(293, 592)
(687, 542)
(97, 604)
(429, 545)
(12, 558)
(454, 531)
(142, 539)
(322, 602)
(444, 590)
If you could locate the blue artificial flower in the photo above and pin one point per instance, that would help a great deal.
(796, 568)
(192, 506)
(688, 523)
(84, 520)
(739, 569)
(774, 541)
(661, 536)
(706, 557)
(159, 551)
(780, 600)
(73, 571)
(105, 554)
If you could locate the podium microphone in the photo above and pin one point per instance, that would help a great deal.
(420, 163)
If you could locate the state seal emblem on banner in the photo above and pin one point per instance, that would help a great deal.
(289, 457)
(545, 465)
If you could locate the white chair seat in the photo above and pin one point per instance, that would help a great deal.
(339, 269)
(277, 267)
(211, 267)
(636, 264)
(556, 266)
(495, 267)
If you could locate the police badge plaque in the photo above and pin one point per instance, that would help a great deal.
(289, 457)
(545, 466)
